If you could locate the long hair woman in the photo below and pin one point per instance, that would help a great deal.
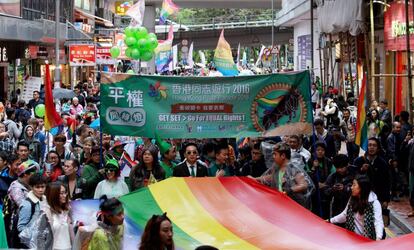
(148, 170)
(158, 234)
(363, 214)
(58, 213)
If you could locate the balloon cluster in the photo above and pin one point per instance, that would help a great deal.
(141, 44)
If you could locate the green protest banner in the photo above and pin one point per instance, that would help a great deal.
(206, 107)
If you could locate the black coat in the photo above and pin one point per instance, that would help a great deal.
(379, 175)
(253, 168)
(181, 170)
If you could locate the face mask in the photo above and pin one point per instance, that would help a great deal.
(139, 141)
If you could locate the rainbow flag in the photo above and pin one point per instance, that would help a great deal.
(361, 138)
(168, 8)
(72, 124)
(224, 212)
(52, 118)
(223, 59)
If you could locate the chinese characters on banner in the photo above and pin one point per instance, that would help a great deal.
(210, 107)
(82, 55)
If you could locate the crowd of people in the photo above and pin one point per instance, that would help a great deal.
(41, 172)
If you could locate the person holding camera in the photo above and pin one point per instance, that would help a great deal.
(338, 184)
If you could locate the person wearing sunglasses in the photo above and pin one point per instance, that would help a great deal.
(191, 167)
(112, 186)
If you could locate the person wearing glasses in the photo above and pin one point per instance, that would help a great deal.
(191, 166)
(112, 186)
(58, 213)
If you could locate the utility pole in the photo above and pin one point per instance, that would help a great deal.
(273, 33)
(372, 84)
(312, 40)
(57, 68)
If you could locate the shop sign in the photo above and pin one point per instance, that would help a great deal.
(121, 7)
(103, 56)
(82, 55)
(3, 54)
(104, 40)
(395, 28)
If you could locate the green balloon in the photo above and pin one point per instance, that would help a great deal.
(142, 44)
(130, 41)
(128, 52)
(147, 55)
(40, 110)
(152, 35)
(141, 32)
(129, 31)
(153, 43)
(130, 71)
(135, 53)
(115, 51)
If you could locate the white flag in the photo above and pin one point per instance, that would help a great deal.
(190, 60)
(137, 13)
(175, 56)
(202, 57)
(260, 55)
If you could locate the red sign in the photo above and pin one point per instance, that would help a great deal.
(103, 56)
(395, 27)
(82, 55)
(201, 108)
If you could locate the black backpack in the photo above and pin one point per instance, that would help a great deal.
(11, 218)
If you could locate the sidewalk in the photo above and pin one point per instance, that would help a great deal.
(399, 211)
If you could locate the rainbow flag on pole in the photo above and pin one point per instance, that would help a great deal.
(168, 8)
(223, 58)
(224, 212)
(361, 125)
(52, 118)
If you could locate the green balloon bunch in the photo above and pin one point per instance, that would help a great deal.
(141, 44)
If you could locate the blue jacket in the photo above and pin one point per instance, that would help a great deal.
(25, 210)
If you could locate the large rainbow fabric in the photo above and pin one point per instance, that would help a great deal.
(361, 138)
(237, 213)
(52, 118)
(223, 58)
(168, 8)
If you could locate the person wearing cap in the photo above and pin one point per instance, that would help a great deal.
(91, 174)
(19, 188)
(168, 154)
(112, 186)
(117, 149)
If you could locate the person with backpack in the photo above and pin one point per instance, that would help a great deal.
(34, 233)
(16, 194)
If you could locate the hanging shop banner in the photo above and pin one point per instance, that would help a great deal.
(82, 55)
(395, 27)
(206, 107)
(10, 7)
(103, 56)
